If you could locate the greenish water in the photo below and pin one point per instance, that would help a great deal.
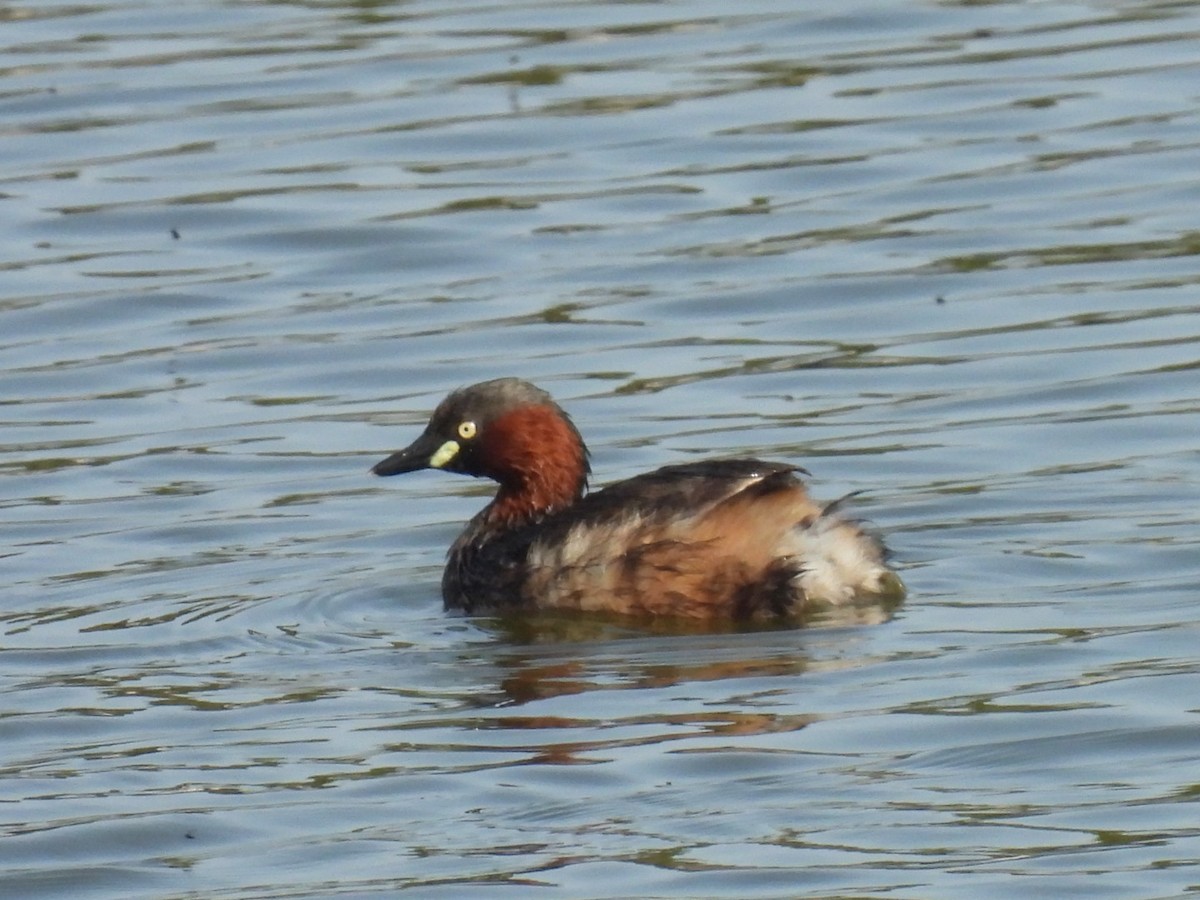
(945, 254)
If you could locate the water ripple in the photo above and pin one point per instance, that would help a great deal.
(943, 254)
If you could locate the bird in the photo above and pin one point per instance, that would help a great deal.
(735, 539)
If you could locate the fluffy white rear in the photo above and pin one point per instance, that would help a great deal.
(839, 560)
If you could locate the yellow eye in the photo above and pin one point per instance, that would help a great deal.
(466, 430)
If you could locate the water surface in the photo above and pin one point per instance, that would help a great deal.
(945, 254)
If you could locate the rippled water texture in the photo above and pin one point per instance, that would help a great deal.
(946, 254)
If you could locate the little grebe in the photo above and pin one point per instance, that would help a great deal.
(724, 538)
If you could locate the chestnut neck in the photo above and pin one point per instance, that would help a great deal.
(540, 461)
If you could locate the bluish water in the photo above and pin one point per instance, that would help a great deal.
(946, 254)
